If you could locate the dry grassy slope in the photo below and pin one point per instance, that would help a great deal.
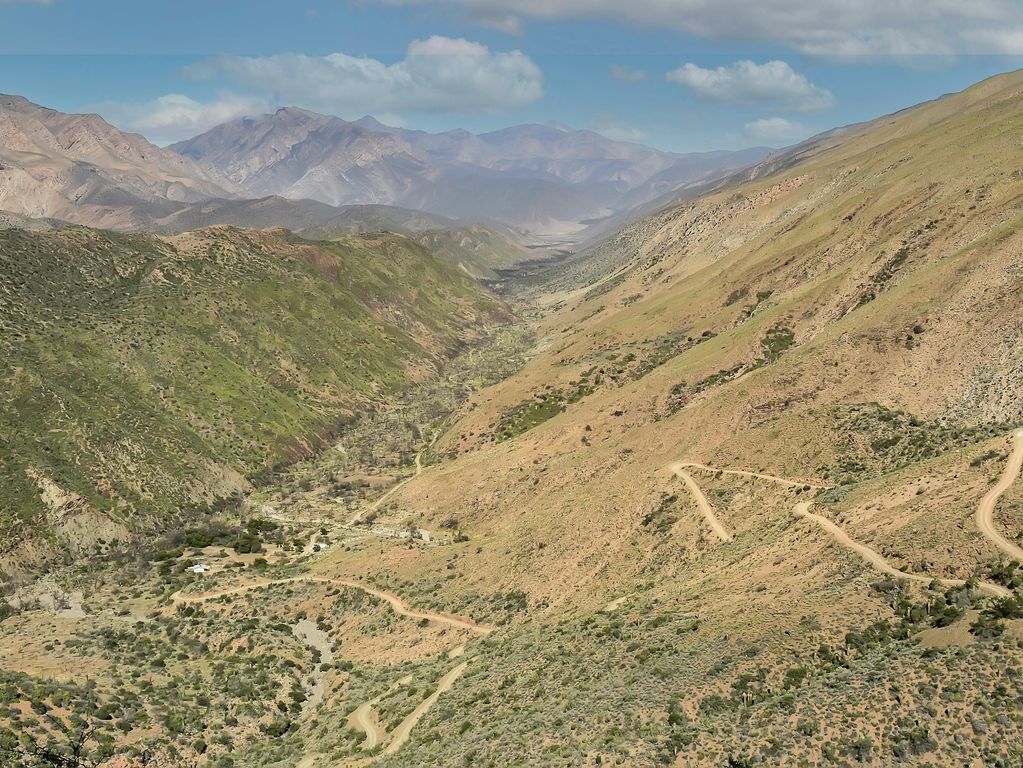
(892, 255)
(920, 209)
(582, 510)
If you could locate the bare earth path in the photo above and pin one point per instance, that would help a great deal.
(362, 717)
(986, 509)
(701, 501)
(877, 560)
(310, 546)
(365, 722)
(404, 730)
(683, 465)
(397, 486)
(984, 518)
(398, 605)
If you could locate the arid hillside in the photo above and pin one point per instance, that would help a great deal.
(80, 168)
(849, 321)
(743, 490)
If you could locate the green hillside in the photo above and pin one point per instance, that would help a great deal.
(477, 250)
(152, 375)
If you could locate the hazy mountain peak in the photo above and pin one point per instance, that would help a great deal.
(80, 167)
(546, 178)
(371, 123)
(12, 101)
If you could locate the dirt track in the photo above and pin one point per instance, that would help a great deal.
(985, 516)
(365, 722)
(404, 730)
(362, 717)
(877, 560)
(398, 605)
(985, 512)
(679, 469)
(792, 483)
(701, 501)
(397, 486)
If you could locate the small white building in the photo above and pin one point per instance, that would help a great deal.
(200, 568)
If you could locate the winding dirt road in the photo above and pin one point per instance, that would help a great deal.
(365, 722)
(877, 560)
(701, 501)
(985, 516)
(397, 604)
(390, 492)
(404, 730)
(679, 470)
(683, 465)
(362, 717)
(397, 486)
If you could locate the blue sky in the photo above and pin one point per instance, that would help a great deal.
(683, 75)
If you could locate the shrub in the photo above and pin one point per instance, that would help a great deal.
(277, 727)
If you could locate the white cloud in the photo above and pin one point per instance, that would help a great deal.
(821, 27)
(776, 131)
(174, 117)
(627, 74)
(773, 84)
(439, 74)
(511, 25)
(997, 39)
(615, 128)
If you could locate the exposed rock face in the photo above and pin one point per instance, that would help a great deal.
(80, 527)
(992, 391)
(82, 169)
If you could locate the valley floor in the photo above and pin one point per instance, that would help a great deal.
(356, 637)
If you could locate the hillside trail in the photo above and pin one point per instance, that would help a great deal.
(397, 604)
(310, 546)
(871, 556)
(404, 730)
(791, 482)
(701, 501)
(418, 464)
(878, 561)
(363, 717)
(985, 516)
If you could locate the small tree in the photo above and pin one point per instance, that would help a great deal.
(73, 747)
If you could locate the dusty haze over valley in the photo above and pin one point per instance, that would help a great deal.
(491, 384)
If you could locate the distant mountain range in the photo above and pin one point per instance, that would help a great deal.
(321, 175)
(544, 178)
(81, 168)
